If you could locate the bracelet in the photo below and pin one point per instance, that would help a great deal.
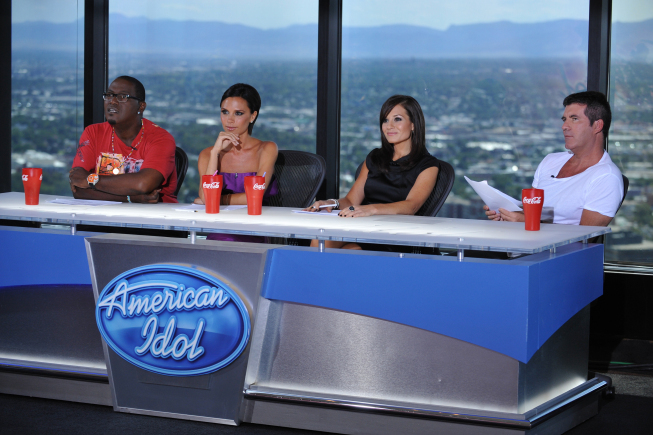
(337, 205)
(129, 200)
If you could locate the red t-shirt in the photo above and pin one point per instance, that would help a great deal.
(156, 151)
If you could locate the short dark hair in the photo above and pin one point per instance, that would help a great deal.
(383, 156)
(139, 89)
(247, 93)
(597, 107)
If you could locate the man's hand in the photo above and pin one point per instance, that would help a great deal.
(491, 214)
(511, 216)
(149, 198)
(504, 215)
(77, 177)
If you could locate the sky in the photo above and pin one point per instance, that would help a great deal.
(268, 14)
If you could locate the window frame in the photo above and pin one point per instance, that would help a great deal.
(96, 48)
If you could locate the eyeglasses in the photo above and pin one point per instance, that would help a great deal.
(108, 96)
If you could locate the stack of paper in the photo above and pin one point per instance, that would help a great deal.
(494, 198)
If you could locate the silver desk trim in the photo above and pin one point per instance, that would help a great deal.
(524, 421)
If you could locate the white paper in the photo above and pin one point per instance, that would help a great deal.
(494, 198)
(192, 207)
(322, 212)
(73, 201)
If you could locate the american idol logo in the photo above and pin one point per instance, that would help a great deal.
(533, 200)
(259, 186)
(173, 320)
(211, 185)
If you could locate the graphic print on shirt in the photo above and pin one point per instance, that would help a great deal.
(79, 149)
(114, 164)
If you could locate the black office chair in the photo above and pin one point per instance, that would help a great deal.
(181, 164)
(443, 186)
(601, 238)
(626, 184)
(439, 194)
(299, 176)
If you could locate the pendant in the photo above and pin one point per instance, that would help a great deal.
(116, 171)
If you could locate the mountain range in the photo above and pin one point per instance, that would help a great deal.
(503, 39)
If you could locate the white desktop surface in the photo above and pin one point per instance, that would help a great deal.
(282, 222)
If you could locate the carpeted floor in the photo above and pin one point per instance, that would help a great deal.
(630, 412)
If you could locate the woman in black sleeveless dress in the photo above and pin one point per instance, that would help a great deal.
(396, 178)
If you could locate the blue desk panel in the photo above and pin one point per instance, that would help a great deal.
(511, 307)
(37, 257)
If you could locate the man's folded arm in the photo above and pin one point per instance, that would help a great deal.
(594, 219)
(142, 186)
(139, 183)
(80, 193)
(148, 198)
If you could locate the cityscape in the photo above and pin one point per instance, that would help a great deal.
(492, 119)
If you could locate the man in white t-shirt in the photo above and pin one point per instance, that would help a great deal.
(582, 185)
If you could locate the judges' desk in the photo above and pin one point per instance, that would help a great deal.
(331, 340)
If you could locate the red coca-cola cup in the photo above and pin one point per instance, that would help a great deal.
(32, 184)
(254, 190)
(212, 187)
(532, 200)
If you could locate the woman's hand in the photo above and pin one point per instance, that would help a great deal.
(198, 200)
(224, 140)
(316, 206)
(358, 211)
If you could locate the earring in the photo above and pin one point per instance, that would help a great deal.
(139, 113)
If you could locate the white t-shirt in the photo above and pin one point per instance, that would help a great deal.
(599, 188)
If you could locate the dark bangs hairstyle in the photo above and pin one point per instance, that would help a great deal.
(381, 157)
(597, 107)
(247, 93)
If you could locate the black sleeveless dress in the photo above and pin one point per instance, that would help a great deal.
(394, 185)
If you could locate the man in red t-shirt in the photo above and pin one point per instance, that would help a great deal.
(127, 158)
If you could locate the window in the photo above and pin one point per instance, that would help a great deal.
(630, 142)
(490, 79)
(186, 56)
(47, 83)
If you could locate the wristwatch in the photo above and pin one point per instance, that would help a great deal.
(92, 180)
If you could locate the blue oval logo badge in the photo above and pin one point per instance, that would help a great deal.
(173, 320)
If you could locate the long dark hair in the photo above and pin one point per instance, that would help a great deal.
(381, 157)
(247, 93)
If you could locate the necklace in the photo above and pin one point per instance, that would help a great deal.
(116, 171)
